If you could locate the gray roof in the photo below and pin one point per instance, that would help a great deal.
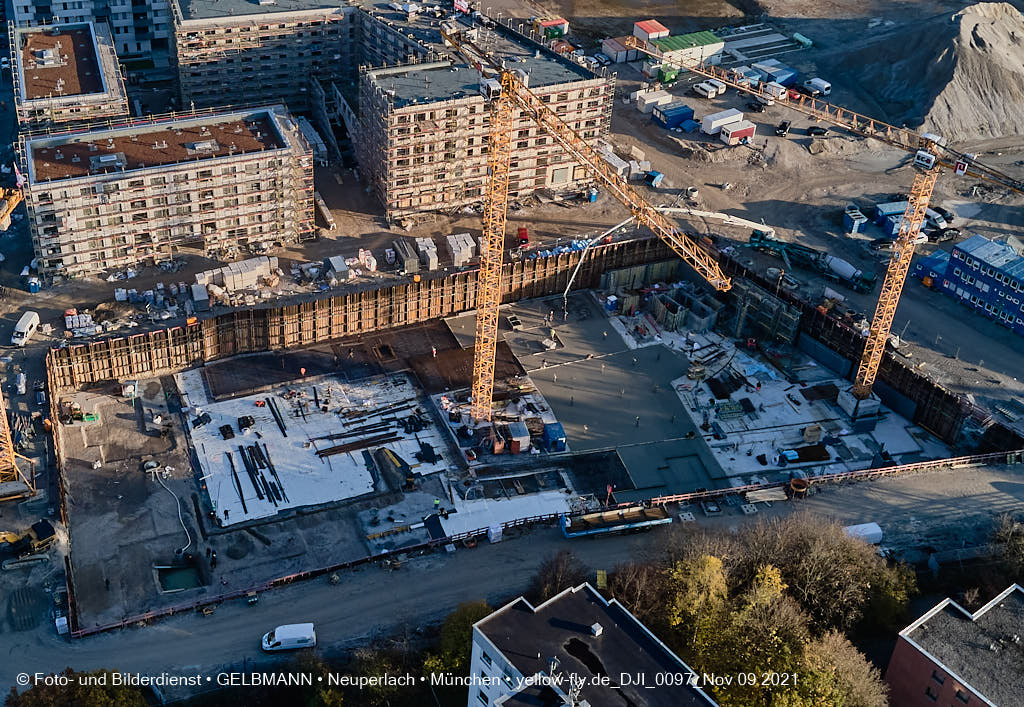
(561, 628)
(984, 650)
(996, 254)
(210, 9)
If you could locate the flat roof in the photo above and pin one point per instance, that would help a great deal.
(561, 628)
(216, 9)
(651, 26)
(686, 41)
(136, 147)
(59, 61)
(983, 649)
(997, 254)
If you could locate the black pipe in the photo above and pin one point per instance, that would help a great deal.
(238, 483)
(273, 472)
(252, 474)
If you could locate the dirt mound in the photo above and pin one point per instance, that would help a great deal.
(961, 76)
(785, 155)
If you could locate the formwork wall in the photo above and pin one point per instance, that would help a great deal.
(314, 321)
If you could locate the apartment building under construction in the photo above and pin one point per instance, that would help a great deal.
(424, 127)
(65, 74)
(113, 198)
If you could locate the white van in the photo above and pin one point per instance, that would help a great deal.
(25, 328)
(289, 637)
(719, 86)
(705, 89)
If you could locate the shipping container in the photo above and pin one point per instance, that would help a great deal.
(854, 220)
(891, 208)
(712, 124)
(736, 133)
(553, 437)
(648, 102)
(672, 115)
(667, 74)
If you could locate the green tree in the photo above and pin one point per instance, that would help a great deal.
(320, 695)
(697, 593)
(372, 663)
(456, 640)
(78, 694)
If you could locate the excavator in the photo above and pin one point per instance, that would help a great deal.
(20, 547)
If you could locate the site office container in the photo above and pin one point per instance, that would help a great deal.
(672, 115)
(892, 208)
(735, 133)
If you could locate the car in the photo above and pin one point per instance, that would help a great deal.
(882, 244)
(817, 131)
(899, 196)
(782, 129)
(944, 234)
(808, 91)
(757, 107)
(602, 59)
(947, 215)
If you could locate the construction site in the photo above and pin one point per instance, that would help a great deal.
(391, 308)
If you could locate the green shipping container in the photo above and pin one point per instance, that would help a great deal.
(668, 74)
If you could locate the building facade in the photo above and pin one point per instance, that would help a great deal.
(988, 276)
(65, 75)
(525, 655)
(140, 29)
(952, 657)
(117, 197)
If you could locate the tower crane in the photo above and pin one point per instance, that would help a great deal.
(13, 483)
(930, 154)
(508, 93)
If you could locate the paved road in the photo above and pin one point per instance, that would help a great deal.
(940, 509)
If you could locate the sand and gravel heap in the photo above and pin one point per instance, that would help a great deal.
(960, 75)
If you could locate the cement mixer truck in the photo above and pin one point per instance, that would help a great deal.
(801, 256)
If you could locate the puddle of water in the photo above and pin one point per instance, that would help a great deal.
(177, 579)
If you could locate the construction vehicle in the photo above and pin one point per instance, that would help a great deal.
(9, 200)
(38, 538)
(507, 91)
(833, 268)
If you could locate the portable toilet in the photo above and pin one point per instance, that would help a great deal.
(553, 437)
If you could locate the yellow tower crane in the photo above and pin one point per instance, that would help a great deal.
(13, 483)
(509, 95)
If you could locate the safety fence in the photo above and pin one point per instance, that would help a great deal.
(1014, 457)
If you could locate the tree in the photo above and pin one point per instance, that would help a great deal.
(1009, 534)
(81, 690)
(374, 663)
(641, 588)
(836, 673)
(456, 641)
(556, 573)
(697, 593)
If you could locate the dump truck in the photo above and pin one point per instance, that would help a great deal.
(830, 266)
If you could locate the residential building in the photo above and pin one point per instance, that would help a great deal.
(951, 657)
(233, 52)
(424, 127)
(988, 276)
(116, 197)
(140, 28)
(65, 74)
(525, 655)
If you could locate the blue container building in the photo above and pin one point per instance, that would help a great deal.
(553, 437)
(988, 276)
(673, 115)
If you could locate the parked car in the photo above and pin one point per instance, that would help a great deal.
(757, 107)
(944, 234)
(782, 129)
(817, 131)
(602, 59)
(899, 196)
(947, 215)
(882, 245)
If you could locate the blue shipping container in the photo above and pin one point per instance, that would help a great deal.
(853, 221)
(554, 437)
(673, 117)
(884, 211)
(690, 126)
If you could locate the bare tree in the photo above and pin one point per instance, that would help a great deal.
(555, 574)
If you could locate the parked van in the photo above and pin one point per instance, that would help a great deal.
(719, 86)
(25, 328)
(289, 637)
(817, 86)
(935, 219)
(705, 89)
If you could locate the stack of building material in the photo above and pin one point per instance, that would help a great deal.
(618, 165)
(406, 256)
(80, 324)
(243, 275)
(367, 260)
(462, 247)
(201, 297)
(428, 252)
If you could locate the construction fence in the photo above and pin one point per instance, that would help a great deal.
(310, 321)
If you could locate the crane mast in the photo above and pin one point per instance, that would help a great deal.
(492, 248)
(892, 286)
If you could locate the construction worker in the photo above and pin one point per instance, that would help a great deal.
(302, 372)
(433, 350)
(437, 504)
(636, 422)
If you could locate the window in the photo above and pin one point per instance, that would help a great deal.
(937, 677)
(486, 659)
(931, 694)
(963, 696)
(482, 698)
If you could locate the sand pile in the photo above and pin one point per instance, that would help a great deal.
(961, 76)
